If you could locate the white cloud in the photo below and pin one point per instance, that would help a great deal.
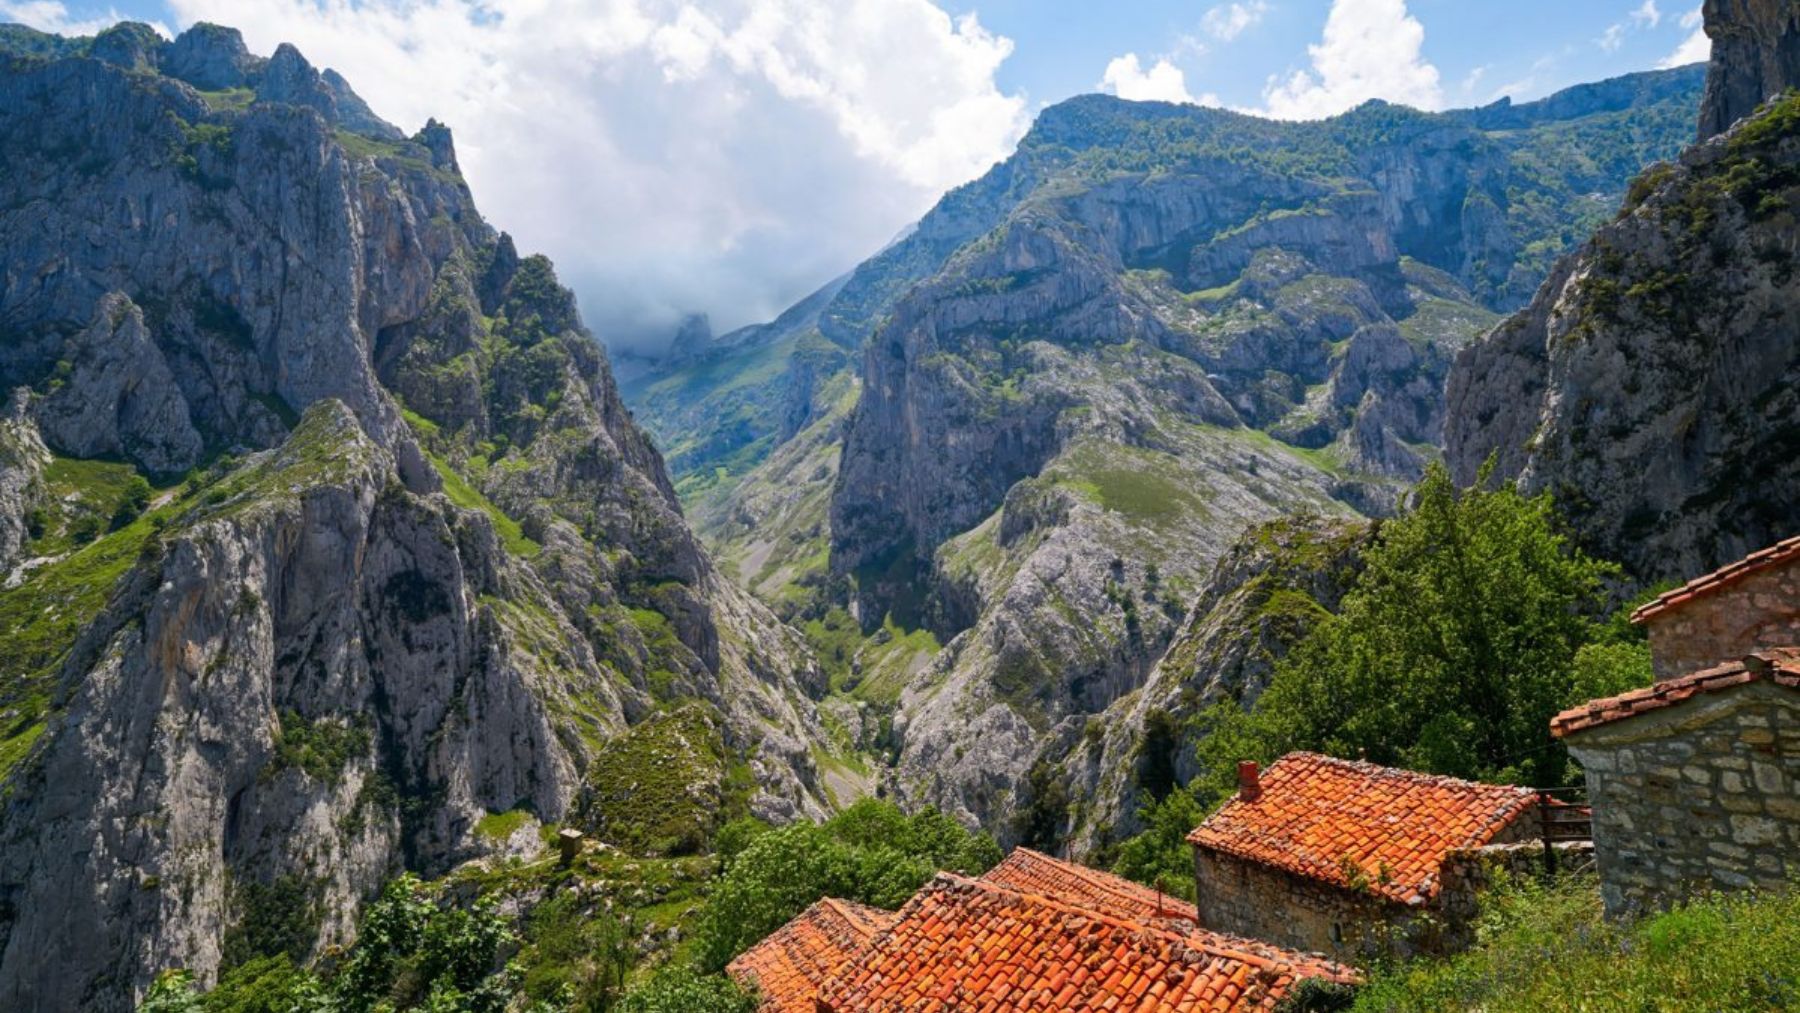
(1228, 21)
(723, 156)
(1371, 49)
(51, 16)
(1163, 82)
(1643, 18)
(1696, 47)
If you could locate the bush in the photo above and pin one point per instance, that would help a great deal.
(1549, 948)
(870, 853)
(682, 990)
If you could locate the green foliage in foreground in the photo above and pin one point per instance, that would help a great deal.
(1548, 948)
(1473, 622)
(870, 853)
(1463, 636)
(681, 990)
(411, 953)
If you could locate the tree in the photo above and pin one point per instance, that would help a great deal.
(871, 853)
(1160, 856)
(683, 990)
(1451, 654)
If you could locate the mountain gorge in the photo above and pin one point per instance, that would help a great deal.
(326, 534)
(333, 550)
(1066, 395)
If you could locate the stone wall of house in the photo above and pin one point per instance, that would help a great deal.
(1251, 899)
(1262, 902)
(1756, 611)
(1700, 796)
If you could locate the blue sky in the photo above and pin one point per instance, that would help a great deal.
(727, 156)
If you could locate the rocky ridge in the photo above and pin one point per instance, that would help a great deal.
(423, 567)
(1650, 385)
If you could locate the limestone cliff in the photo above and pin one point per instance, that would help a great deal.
(422, 567)
(1756, 55)
(1651, 384)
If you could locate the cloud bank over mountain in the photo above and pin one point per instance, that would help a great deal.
(672, 159)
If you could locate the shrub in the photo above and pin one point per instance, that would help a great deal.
(1548, 947)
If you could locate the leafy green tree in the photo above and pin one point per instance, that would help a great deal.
(171, 992)
(1451, 654)
(1160, 856)
(580, 956)
(871, 853)
(684, 990)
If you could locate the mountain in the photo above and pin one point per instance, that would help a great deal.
(326, 536)
(1077, 383)
(1650, 385)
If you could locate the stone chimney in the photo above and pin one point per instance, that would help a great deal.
(1249, 781)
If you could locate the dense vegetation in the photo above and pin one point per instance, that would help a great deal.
(870, 853)
(1544, 947)
(1473, 622)
(575, 945)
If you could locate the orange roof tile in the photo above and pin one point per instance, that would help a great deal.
(974, 946)
(796, 961)
(1337, 820)
(1031, 872)
(1780, 552)
(1028, 871)
(1780, 666)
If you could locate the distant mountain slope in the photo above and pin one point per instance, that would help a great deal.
(1087, 373)
(324, 533)
(721, 412)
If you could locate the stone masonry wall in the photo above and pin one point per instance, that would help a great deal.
(1753, 612)
(1704, 795)
(1249, 899)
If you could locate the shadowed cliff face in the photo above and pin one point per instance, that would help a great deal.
(1756, 55)
(1650, 385)
(424, 567)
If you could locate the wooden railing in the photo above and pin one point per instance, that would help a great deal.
(1564, 816)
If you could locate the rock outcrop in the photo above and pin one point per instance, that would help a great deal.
(423, 569)
(1650, 386)
(1755, 56)
(23, 458)
(1261, 599)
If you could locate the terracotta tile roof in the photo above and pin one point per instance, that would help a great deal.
(795, 962)
(1334, 820)
(1028, 871)
(1031, 872)
(971, 946)
(1780, 666)
(1780, 552)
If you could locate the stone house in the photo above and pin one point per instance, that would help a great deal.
(1752, 604)
(1349, 858)
(1694, 781)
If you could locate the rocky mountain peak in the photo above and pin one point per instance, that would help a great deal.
(210, 57)
(1756, 54)
(132, 45)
